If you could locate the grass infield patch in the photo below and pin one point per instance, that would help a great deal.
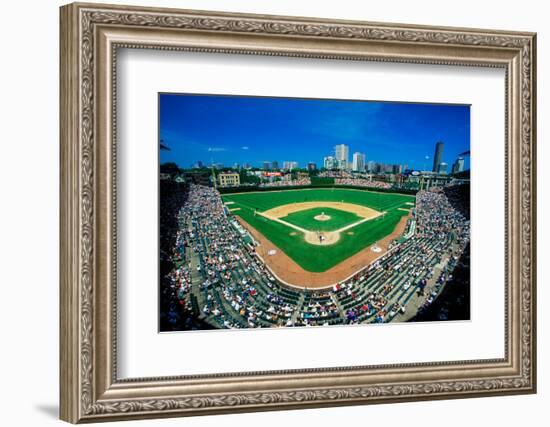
(306, 219)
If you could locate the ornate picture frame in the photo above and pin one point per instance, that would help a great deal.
(90, 37)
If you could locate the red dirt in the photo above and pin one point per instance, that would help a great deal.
(292, 274)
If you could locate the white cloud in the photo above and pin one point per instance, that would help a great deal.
(216, 149)
(244, 147)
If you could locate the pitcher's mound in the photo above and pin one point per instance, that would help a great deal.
(322, 217)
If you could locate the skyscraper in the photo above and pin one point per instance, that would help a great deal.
(458, 165)
(371, 166)
(358, 162)
(438, 155)
(274, 165)
(442, 168)
(460, 162)
(267, 166)
(311, 166)
(328, 162)
(342, 156)
(290, 165)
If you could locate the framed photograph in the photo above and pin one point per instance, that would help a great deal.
(265, 213)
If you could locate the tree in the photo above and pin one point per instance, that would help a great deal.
(248, 179)
(169, 168)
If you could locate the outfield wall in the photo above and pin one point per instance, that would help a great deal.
(248, 189)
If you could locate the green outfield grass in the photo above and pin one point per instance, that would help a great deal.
(306, 219)
(320, 258)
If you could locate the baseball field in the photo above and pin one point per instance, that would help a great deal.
(320, 228)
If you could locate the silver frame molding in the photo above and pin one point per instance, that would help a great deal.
(90, 37)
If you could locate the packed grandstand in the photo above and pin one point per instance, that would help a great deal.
(212, 276)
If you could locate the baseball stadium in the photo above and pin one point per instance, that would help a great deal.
(307, 256)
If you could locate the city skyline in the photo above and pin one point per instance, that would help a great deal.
(233, 130)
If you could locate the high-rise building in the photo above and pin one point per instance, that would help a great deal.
(442, 168)
(274, 165)
(266, 166)
(343, 164)
(341, 152)
(397, 169)
(288, 165)
(438, 155)
(371, 166)
(329, 162)
(311, 166)
(458, 165)
(358, 164)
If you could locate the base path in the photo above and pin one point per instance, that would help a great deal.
(292, 274)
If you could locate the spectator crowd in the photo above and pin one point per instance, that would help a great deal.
(287, 183)
(361, 182)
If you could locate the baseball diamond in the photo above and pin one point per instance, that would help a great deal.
(370, 215)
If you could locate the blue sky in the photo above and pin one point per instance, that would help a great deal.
(236, 129)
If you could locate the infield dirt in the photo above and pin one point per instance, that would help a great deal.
(284, 210)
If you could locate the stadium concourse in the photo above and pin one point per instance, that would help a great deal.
(214, 279)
